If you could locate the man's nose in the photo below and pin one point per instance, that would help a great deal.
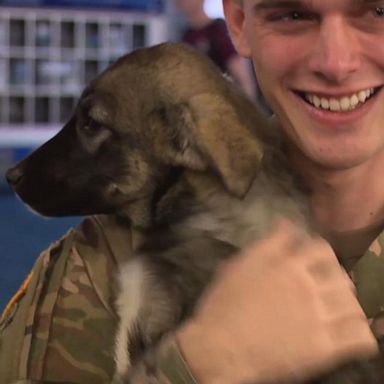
(336, 53)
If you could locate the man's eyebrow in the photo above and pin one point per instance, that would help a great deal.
(299, 4)
(269, 4)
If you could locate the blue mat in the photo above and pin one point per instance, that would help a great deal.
(23, 236)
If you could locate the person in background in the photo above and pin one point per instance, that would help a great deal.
(211, 37)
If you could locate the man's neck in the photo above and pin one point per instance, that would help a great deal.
(348, 199)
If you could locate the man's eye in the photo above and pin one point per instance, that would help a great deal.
(379, 11)
(293, 16)
(290, 16)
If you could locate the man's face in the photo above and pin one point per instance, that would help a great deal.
(320, 64)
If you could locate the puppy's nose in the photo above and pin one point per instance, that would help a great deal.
(14, 176)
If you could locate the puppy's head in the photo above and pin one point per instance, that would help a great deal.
(153, 113)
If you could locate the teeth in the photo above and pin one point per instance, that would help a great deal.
(354, 101)
(324, 103)
(334, 105)
(346, 103)
(362, 95)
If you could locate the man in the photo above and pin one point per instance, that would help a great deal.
(290, 313)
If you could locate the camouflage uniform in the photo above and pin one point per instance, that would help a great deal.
(60, 328)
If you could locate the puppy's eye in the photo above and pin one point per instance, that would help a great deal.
(92, 127)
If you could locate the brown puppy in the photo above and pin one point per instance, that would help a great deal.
(162, 139)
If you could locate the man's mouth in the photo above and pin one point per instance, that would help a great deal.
(340, 104)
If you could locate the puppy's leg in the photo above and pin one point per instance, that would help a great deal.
(130, 298)
(160, 289)
(147, 309)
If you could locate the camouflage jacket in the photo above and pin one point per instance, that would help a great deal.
(60, 326)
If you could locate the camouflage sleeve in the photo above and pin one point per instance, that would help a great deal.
(368, 277)
(60, 327)
(165, 365)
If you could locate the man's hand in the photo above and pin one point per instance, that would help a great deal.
(282, 309)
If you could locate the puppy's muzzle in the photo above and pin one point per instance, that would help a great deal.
(14, 176)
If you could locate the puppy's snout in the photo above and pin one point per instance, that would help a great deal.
(14, 176)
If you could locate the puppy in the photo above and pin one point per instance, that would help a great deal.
(163, 140)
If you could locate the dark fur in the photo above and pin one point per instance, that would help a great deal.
(163, 140)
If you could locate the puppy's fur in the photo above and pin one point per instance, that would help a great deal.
(163, 140)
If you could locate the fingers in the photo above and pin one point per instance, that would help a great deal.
(348, 330)
(320, 260)
(339, 301)
(283, 242)
(353, 333)
(351, 340)
(348, 327)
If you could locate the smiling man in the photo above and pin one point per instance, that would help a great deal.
(283, 310)
(321, 68)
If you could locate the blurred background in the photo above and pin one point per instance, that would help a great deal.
(49, 50)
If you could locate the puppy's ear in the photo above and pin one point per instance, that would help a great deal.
(221, 134)
(207, 131)
(171, 129)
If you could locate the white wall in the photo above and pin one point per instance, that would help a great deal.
(214, 8)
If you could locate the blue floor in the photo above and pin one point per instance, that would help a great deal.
(23, 236)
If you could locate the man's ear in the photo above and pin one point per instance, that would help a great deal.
(235, 18)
